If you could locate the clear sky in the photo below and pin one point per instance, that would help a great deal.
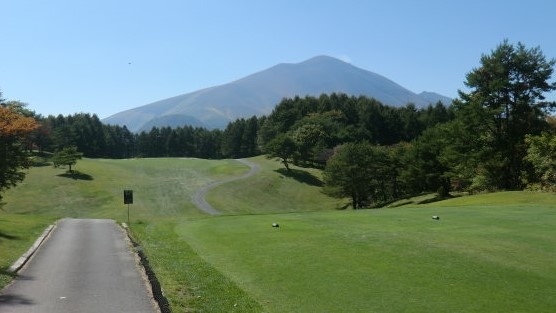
(106, 56)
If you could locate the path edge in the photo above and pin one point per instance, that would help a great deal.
(156, 289)
(19, 263)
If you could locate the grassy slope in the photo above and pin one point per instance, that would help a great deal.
(487, 253)
(162, 187)
(273, 190)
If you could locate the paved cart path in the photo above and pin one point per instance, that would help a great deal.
(84, 266)
(199, 198)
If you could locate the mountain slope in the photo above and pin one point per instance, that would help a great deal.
(257, 94)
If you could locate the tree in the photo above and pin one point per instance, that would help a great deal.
(541, 153)
(308, 138)
(282, 147)
(14, 128)
(506, 102)
(350, 172)
(67, 156)
(424, 163)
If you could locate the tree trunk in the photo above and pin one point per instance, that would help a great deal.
(354, 201)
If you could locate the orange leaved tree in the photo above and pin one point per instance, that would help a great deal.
(14, 128)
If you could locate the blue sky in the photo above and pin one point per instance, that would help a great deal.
(106, 56)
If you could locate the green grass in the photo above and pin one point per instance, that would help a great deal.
(189, 282)
(499, 259)
(487, 253)
(274, 190)
(162, 187)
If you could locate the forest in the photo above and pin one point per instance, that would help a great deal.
(500, 135)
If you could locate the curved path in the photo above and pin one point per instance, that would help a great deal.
(199, 198)
(83, 266)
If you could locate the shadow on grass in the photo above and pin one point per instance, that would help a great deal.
(40, 159)
(438, 198)
(301, 176)
(344, 207)
(7, 236)
(76, 175)
(35, 163)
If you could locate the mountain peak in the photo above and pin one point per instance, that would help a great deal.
(323, 58)
(259, 93)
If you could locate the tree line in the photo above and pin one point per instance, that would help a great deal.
(97, 140)
(337, 117)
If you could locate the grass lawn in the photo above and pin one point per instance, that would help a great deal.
(162, 187)
(487, 253)
(475, 259)
(274, 190)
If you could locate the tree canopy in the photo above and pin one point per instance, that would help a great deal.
(506, 103)
(66, 156)
(15, 129)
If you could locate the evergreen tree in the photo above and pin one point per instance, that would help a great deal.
(354, 172)
(506, 102)
(67, 156)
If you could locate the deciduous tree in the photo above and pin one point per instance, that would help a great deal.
(14, 127)
(282, 147)
(541, 153)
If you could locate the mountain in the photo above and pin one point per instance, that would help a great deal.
(259, 93)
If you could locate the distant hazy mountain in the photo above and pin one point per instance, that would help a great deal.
(259, 93)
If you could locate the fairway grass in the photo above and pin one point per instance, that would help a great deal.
(162, 187)
(487, 253)
(274, 190)
(391, 260)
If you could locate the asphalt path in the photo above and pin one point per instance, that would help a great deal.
(199, 197)
(84, 266)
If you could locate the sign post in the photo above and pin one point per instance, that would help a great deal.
(128, 199)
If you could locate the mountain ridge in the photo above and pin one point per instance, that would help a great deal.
(258, 93)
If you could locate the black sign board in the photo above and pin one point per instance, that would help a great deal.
(128, 196)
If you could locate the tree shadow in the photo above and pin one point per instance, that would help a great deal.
(301, 176)
(15, 299)
(343, 207)
(7, 236)
(438, 198)
(77, 175)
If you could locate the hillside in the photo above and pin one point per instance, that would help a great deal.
(257, 94)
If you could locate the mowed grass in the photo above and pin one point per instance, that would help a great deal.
(487, 253)
(274, 190)
(162, 187)
(474, 259)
